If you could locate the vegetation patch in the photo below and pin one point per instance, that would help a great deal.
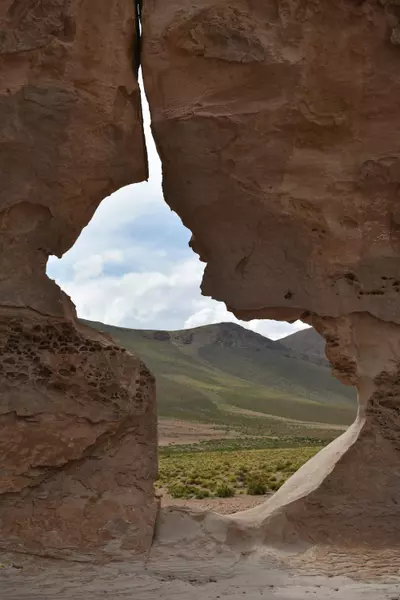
(226, 474)
(243, 443)
(257, 486)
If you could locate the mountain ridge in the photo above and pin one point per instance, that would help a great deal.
(308, 343)
(215, 372)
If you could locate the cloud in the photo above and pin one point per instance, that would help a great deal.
(105, 287)
(132, 266)
(158, 299)
(93, 265)
(216, 312)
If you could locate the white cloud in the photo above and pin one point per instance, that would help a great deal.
(93, 265)
(168, 298)
(132, 265)
(155, 299)
(209, 314)
(216, 312)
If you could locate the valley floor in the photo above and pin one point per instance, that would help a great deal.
(175, 431)
(222, 506)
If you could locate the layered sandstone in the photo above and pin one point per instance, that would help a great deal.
(70, 131)
(77, 414)
(347, 495)
(77, 441)
(278, 126)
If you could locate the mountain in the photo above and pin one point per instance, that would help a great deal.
(227, 374)
(308, 344)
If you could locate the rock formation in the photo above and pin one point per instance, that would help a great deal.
(77, 414)
(278, 128)
(70, 132)
(347, 495)
(78, 440)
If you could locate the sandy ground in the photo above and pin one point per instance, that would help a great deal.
(191, 559)
(179, 580)
(222, 506)
(202, 555)
(173, 431)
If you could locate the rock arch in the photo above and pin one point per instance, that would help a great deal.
(278, 128)
(277, 125)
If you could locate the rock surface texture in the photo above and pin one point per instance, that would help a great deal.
(77, 414)
(278, 125)
(77, 440)
(70, 132)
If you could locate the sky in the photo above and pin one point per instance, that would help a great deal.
(132, 266)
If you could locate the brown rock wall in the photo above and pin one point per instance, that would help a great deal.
(70, 131)
(77, 414)
(78, 441)
(278, 126)
(347, 495)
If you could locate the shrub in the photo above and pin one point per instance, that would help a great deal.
(224, 491)
(194, 480)
(275, 485)
(256, 487)
(200, 494)
(288, 466)
(211, 484)
(181, 491)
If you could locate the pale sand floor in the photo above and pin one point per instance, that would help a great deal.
(176, 581)
(222, 506)
(190, 560)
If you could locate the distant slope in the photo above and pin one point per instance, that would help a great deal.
(213, 371)
(308, 344)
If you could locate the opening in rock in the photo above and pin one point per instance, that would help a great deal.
(224, 386)
(280, 153)
(132, 265)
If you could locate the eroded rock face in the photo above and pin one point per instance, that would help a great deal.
(78, 441)
(347, 495)
(278, 127)
(70, 131)
(77, 414)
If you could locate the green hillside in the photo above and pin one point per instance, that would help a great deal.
(226, 374)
